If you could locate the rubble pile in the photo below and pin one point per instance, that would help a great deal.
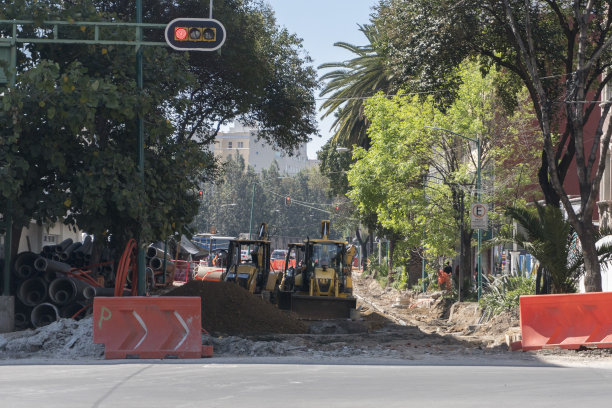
(63, 339)
(228, 309)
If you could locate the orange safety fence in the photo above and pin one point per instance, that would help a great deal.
(183, 271)
(567, 321)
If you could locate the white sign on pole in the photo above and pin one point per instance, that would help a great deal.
(478, 216)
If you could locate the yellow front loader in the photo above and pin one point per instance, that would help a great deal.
(253, 272)
(319, 286)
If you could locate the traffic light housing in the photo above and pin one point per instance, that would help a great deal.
(195, 34)
(201, 195)
(287, 201)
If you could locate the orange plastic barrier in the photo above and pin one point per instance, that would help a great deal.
(567, 321)
(149, 327)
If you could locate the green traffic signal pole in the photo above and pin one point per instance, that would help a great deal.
(140, 130)
(477, 141)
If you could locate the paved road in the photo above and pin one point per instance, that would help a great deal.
(253, 383)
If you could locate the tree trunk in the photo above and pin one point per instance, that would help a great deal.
(592, 276)
(391, 243)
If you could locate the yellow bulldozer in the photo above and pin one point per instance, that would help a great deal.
(248, 264)
(318, 284)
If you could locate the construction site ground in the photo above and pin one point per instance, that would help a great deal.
(393, 326)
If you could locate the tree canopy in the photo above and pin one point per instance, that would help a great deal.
(68, 139)
(559, 50)
(420, 181)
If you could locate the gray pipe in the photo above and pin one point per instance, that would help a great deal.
(93, 291)
(64, 256)
(44, 314)
(25, 272)
(22, 320)
(48, 250)
(85, 248)
(49, 265)
(61, 247)
(32, 291)
(158, 264)
(153, 252)
(24, 259)
(65, 290)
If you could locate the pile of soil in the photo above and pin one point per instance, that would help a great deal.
(229, 309)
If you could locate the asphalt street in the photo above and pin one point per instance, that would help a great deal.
(281, 383)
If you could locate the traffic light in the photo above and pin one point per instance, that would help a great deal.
(201, 195)
(337, 207)
(195, 34)
(287, 201)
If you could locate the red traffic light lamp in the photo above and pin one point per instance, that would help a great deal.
(195, 34)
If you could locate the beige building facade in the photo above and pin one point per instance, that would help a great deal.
(258, 154)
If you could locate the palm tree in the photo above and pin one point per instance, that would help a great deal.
(550, 238)
(349, 83)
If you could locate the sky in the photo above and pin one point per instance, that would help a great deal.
(321, 23)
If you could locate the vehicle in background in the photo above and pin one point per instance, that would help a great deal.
(253, 274)
(279, 254)
(244, 255)
(319, 284)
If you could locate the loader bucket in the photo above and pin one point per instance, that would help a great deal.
(322, 307)
(284, 300)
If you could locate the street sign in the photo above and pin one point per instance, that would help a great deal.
(479, 216)
(195, 34)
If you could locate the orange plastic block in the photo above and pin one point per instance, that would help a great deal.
(566, 321)
(148, 327)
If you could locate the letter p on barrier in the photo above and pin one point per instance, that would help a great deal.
(149, 327)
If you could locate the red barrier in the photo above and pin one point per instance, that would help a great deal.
(149, 327)
(567, 321)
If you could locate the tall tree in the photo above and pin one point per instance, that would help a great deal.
(349, 83)
(559, 50)
(417, 179)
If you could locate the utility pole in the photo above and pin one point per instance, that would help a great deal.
(252, 202)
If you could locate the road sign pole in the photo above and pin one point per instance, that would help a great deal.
(478, 188)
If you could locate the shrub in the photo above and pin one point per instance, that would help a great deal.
(503, 293)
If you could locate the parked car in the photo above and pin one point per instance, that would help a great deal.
(279, 254)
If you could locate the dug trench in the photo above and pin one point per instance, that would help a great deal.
(239, 323)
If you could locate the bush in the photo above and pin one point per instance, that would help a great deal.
(503, 293)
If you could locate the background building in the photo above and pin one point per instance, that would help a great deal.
(258, 154)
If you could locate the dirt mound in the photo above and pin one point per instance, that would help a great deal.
(230, 310)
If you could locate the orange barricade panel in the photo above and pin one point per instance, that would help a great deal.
(568, 321)
(148, 327)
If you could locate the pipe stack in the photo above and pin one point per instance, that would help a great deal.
(44, 289)
(155, 266)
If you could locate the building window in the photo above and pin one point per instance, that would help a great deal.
(240, 145)
(229, 145)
